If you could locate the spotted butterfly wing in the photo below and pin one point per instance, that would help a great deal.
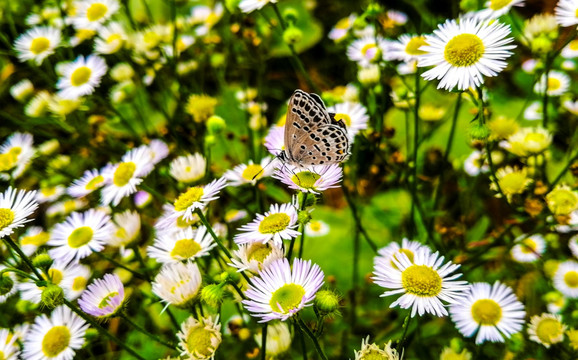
(312, 136)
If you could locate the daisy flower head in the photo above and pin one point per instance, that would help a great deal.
(181, 245)
(277, 224)
(528, 249)
(250, 173)
(142, 198)
(567, 12)
(275, 140)
(341, 29)
(496, 8)
(111, 39)
(424, 282)
(104, 297)
(493, 311)
(15, 208)
(126, 229)
(75, 283)
(573, 245)
(566, 279)
(571, 106)
(248, 6)
(278, 339)
(188, 168)
(370, 351)
(353, 114)
(8, 345)
(37, 44)
(58, 273)
(464, 51)
(406, 48)
(158, 149)
(32, 239)
(91, 14)
(196, 197)
(316, 228)
(80, 235)
(279, 292)
(90, 181)
(387, 253)
(22, 90)
(49, 193)
(56, 337)
(511, 181)
(555, 84)
(81, 77)
(314, 179)
(529, 141)
(476, 164)
(256, 256)
(562, 200)
(199, 339)
(121, 179)
(546, 329)
(178, 283)
(367, 50)
(16, 153)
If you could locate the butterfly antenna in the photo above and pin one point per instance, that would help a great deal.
(263, 169)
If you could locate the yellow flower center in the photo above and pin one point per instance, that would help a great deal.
(39, 45)
(562, 201)
(412, 47)
(93, 183)
(421, 280)
(346, 118)
(55, 341)
(55, 275)
(548, 329)
(188, 198)
(185, 248)
(258, 252)
(369, 49)
(36, 240)
(274, 223)
(113, 37)
(80, 237)
(48, 191)
(305, 179)
(574, 43)
(79, 283)
(2, 356)
(69, 206)
(252, 172)
(287, 298)
(200, 341)
(554, 84)
(123, 173)
(407, 253)
(106, 299)
(343, 24)
(96, 11)
(486, 312)
(513, 183)
(571, 279)
(499, 4)
(6, 217)
(80, 76)
(151, 39)
(529, 246)
(315, 225)
(182, 223)
(7, 162)
(464, 50)
(374, 354)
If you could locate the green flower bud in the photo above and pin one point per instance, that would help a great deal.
(213, 294)
(231, 275)
(457, 345)
(210, 140)
(42, 261)
(290, 15)
(479, 131)
(374, 9)
(360, 23)
(304, 217)
(292, 35)
(216, 124)
(6, 284)
(327, 302)
(218, 60)
(52, 296)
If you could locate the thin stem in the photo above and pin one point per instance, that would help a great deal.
(414, 198)
(355, 276)
(545, 96)
(292, 244)
(357, 219)
(264, 342)
(102, 330)
(23, 257)
(17, 271)
(307, 331)
(405, 327)
(145, 332)
(561, 174)
(116, 263)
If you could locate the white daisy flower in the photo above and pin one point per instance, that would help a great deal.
(196, 197)
(16, 153)
(56, 337)
(248, 6)
(570, 51)
(367, 50)
(316, 228)
(37, 44)
(167, 222)
(573, 245)
(104, 297)
(558, 84)
(406, 48)
(65, 207)
(121, 179)
(250, 173)
(528, 249)
(476, 164)
(58, 274)
(370, 351)
(387, 253)
(22, 90)
(91, 180)
(233, 215)
(14, 290)
(279, 292)
(313, 179)
(534, 111)
(188, 168)
(424, 282)
(397, 18)
(15, 208)
(529, 141)
(178, 283)
(566, 279)
(493, 311)
(546, 329)
(49, 193)
(462, 53)
(567, 12)
(38, 105)
(126, 229)
(256, 256)
(341, 29)
(176, 246)
(199, 339)
(32, 239)
(159, 150)
(276, 225)
(111, 39)
(275, 140)
(80, 235)
(75, 283)
(91, 14)
(81, 77)
(353, 114)
(496, 8)
(206, 17)
(8, 346)
(278, 339)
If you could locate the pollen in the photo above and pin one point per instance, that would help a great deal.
(96, 11)
(185, 249)
(80, 237)
(55, 341)
(486, 312)
(421, 280)
(80, 76)
(123, 173)
(274, 223)
(252, 172)
(287, 298)
(464, 50)
(6, 217)
(305, 179)
(39, 45)
(412, 47)
(188, 198)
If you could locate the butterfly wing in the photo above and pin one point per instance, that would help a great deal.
(327, 144)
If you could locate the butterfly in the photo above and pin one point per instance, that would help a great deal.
(312, 135)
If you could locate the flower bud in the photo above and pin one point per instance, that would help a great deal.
(290, 15)
(42, 261)
(6, 284)
(292, 35)
(327, 302)
(304, 217)
(216, 124)
(52, 296)
(213, 294)
(479, 131)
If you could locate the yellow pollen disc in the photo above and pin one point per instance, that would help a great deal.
(7, 162)
(554, 84)
(513, 183)
(79, 283)
(69, 206)
(571, 279)
(343, 24)
(499, 4)
(252, 172)
(185, 249)
(346, 118)
(123, 173)
(6, 217)
(574, 43)
(80, 237)
(576, 13)
(305, 179)
(368, 47)
(199, 340)
(274, 223)
(375, 354)
(287, 298)
(93, 184)
(464, 50)
(421, 280)
(96, 11)
(113, 37)
(407, 253)
(55, 341)
(80, 76)
(48, 191)
(315, 225)
(39, 45)
(36, 240)
(486, 312)
(55, 276)
(529, 246)
(548, 329)
(182, 223)
(258, 252)
(106, 299)
(188, 198)
(412, 47)
(151, 39)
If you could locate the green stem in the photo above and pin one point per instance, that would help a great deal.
(116, 263)
(545, 96)
(307, 331)
(102, 330)
(17, 271)
(264, 342)
(414, 198)
(292, 244)
(405, 327)
(145, 332)
(357, 219)
(23, 257)
(561, 174)
(355, 276)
